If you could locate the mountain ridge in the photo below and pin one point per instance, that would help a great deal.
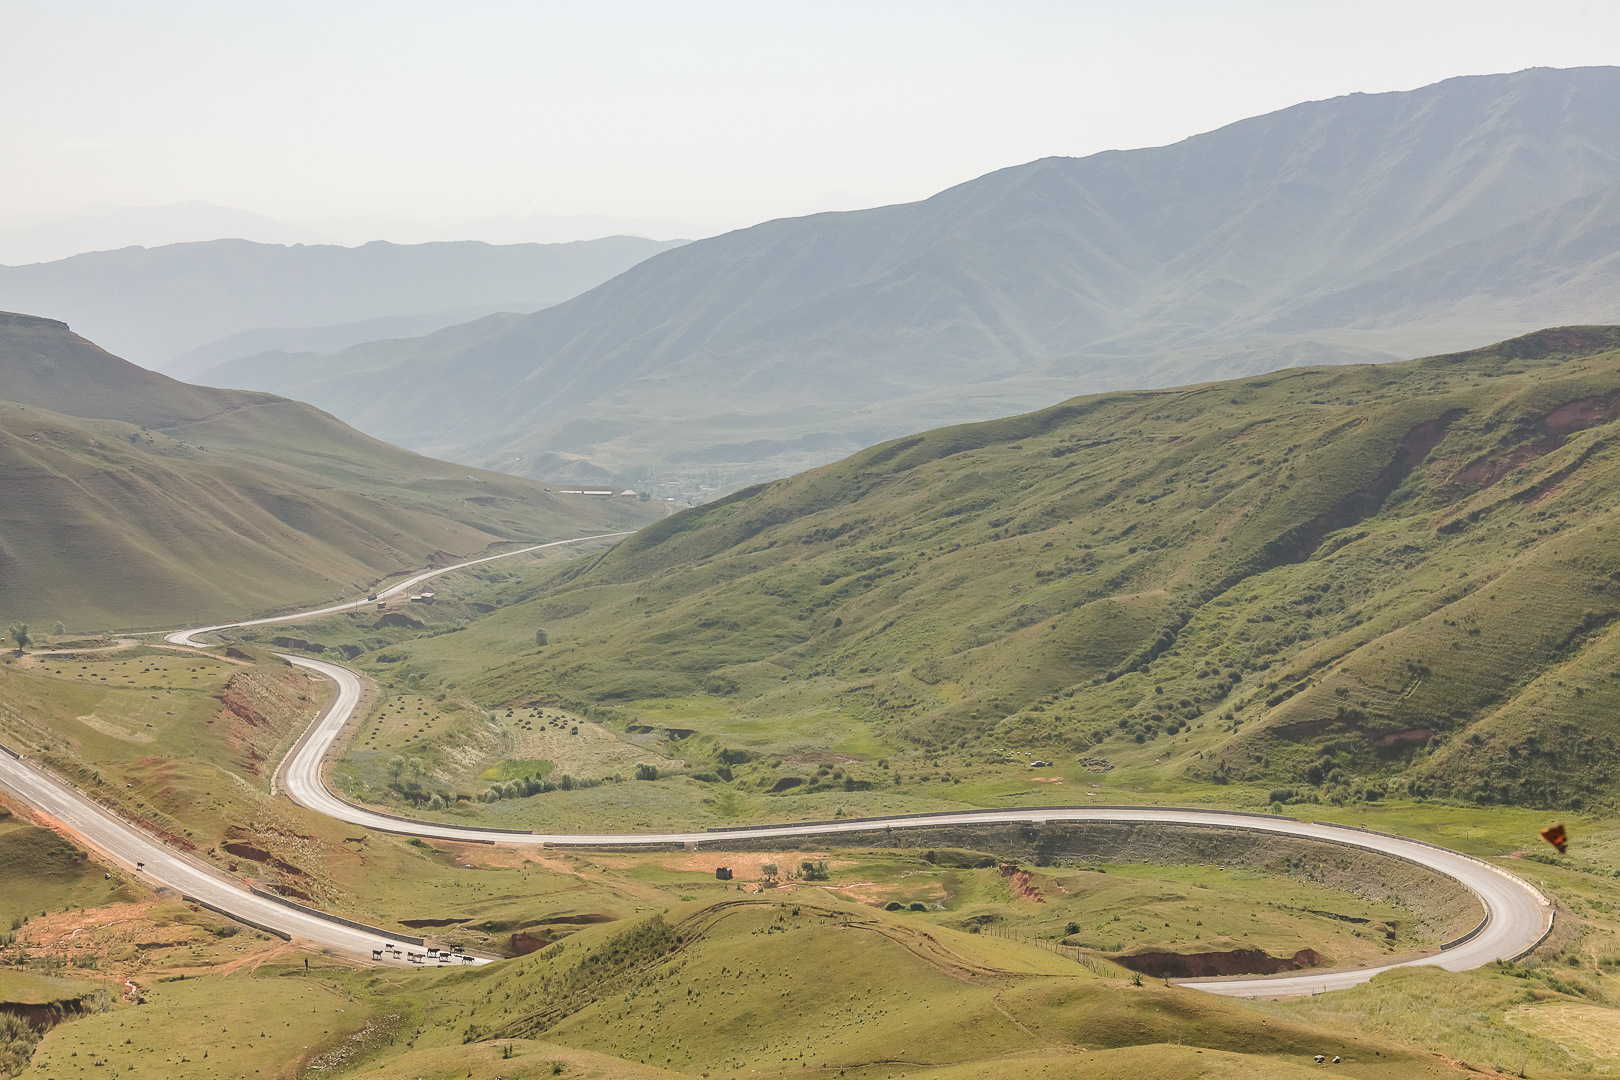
(1142, 267)
(153, 304)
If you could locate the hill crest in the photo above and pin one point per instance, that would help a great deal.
(135, 500)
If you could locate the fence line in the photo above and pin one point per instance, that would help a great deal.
(1072, 952)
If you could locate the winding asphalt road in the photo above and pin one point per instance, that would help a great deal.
(1517, 915)
(162, 865)
(145, 856)
(189, 637)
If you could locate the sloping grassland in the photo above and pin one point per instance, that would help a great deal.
(134, 500)
(1345, 580)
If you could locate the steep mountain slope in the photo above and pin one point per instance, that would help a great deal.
(130, 498)
(1328, 580)
(1232, 252)
(153, 304)
(1551, 263)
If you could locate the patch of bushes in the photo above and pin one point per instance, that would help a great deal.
(17, 1042)
(529, 786)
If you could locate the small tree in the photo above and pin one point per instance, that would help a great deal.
(813, 871)
(646, 772)
(768, 871)
(541, 639)
(19, 634)
(59, 630)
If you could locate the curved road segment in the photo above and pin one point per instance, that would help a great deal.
(189, 637)
(1517, 916)
(148, 857)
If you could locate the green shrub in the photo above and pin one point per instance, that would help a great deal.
(17, 1041)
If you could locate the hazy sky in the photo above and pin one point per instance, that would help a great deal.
(715, 113)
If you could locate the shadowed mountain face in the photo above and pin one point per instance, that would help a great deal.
(152, 305)
(130, 499)
(1364, 227)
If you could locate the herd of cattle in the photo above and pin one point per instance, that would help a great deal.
(433, 955)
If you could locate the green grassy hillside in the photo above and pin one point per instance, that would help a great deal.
(1332, 584)
(752, 987)
(43, 872)
(135, 500)
(815, 986)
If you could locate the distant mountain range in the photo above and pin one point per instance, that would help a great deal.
(1366, 227)
(45, 237)
(153, 305)
(130, 499)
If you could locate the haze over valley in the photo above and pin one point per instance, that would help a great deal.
(1361, 229)
(187, 307)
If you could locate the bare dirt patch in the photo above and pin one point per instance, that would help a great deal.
(258, 707)
(116, 731)
(492, 856)
(1021, 884)
(144, 939)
